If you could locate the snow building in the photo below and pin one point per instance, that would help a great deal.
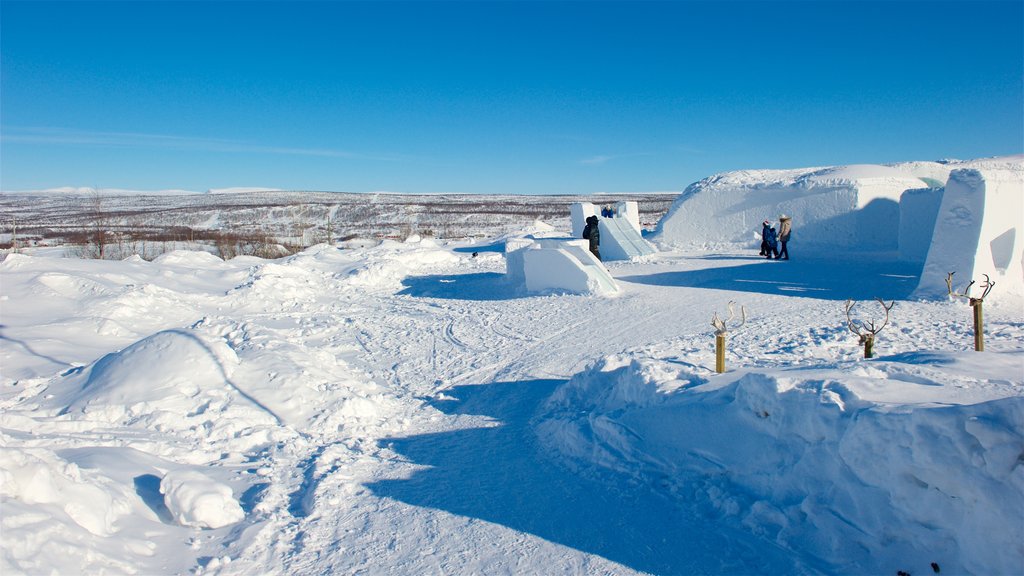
(620, 231)
(846, 208)
(907, 211)
(556, 265)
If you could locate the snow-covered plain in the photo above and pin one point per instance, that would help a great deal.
(401, 408)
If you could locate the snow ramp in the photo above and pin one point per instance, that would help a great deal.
(620, 240)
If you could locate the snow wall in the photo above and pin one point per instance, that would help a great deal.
(556, 265)
(973, 225)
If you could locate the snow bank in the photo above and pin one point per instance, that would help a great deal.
(836, 462)
(197, 501)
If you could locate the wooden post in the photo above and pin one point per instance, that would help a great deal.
(979, 325)
(720, 353)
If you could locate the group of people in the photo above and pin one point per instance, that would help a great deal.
(773, 243)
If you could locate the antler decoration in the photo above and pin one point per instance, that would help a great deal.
(720, 332)
(976, 303)
(719, 324)
(986, 287)
(866, 331)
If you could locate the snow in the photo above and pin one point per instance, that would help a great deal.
(843, 208)
(195, 500)
(979, 231)
(407, 407)
(80, 190)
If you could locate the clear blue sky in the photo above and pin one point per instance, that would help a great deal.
(496, 97)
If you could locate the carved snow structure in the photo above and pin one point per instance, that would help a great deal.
(620, 232)
(963, 216)
(979, 232)
(556, 265)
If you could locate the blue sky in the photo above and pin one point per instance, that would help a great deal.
(495, 97)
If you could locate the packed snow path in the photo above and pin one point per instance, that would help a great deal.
(379, 408)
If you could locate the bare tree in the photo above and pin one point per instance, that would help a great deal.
(98, 226)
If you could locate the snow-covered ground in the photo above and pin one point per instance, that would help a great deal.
(402, 408)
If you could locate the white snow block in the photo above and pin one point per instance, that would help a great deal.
(578, 214)
(620, 240)
(629, 210)
(979, 230)
(557, 265)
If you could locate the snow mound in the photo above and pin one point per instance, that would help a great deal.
(389, 263)
(835, 461)
(197, 501)
(33, 477)
(192, 258)
(167, 369)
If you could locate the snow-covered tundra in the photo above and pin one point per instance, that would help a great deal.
(403, 408)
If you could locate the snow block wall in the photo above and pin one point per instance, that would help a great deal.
(578, 214)
(978, 231)
(556, 265)
(839, 208)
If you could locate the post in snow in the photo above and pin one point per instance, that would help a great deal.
(721, 331)
(979, 324)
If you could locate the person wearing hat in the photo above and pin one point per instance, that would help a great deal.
(765, 226)
(785, 230)
(592, 232)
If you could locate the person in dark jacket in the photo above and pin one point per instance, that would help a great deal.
(592, 232)
(765, 226)
(773, 244)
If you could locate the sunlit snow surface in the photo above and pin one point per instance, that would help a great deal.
(401, 409)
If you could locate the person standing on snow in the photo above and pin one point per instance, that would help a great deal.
(773, 244)
(785, 229)
(765, 226)
(592, 232)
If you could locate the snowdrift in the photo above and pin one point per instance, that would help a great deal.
(833, 461)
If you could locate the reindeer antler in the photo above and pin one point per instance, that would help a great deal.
(864, 329)
(986, 288)
(967, 289)
(719, 324)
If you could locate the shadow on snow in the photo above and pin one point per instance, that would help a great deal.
(501, 474)
(480, 286)
(814, 278)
